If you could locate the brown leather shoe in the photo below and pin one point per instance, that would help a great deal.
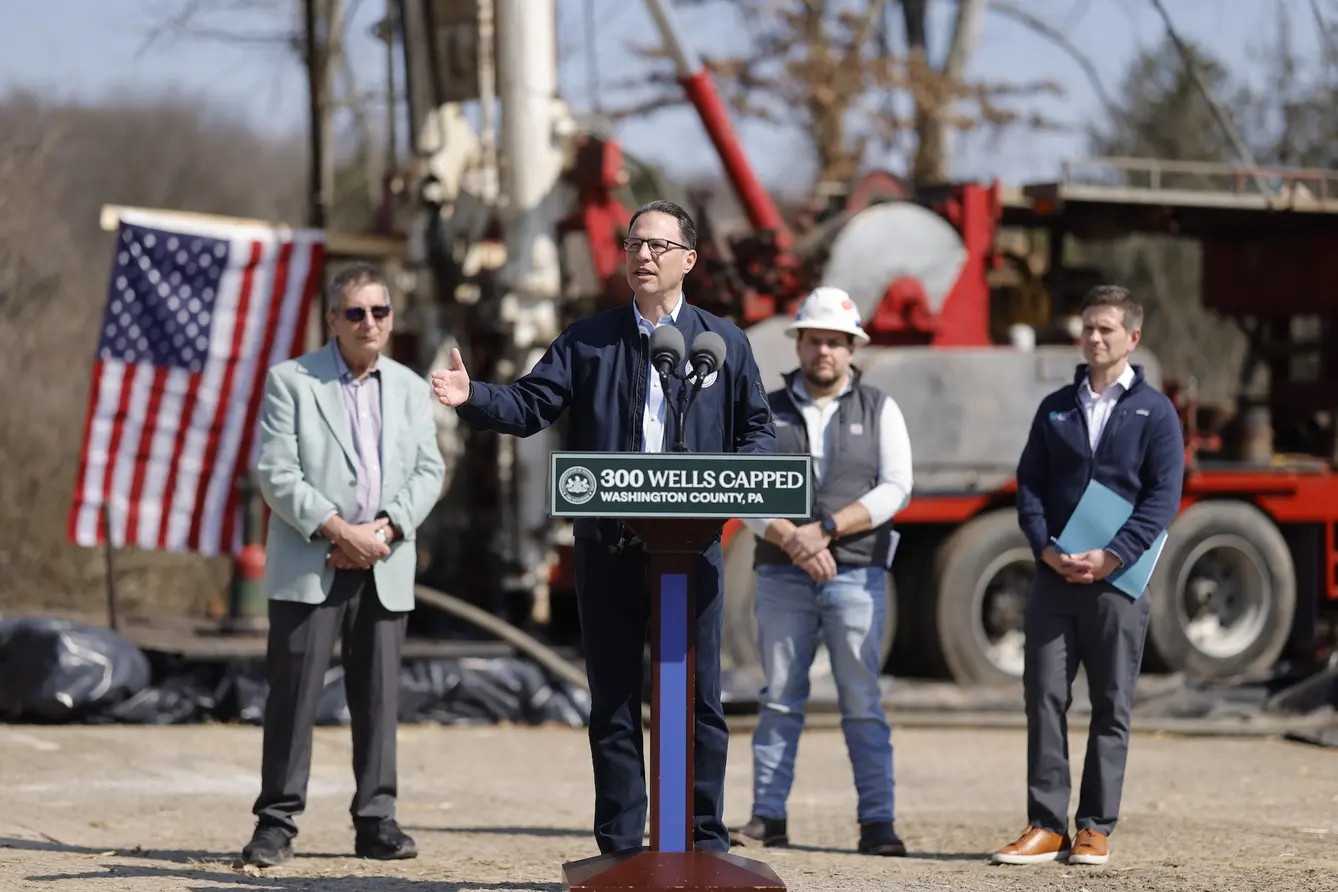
(1089, 847)
(1032, 847)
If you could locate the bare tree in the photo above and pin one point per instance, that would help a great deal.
(827, 69)
(311, 33)
(936, 89)
(1165, 114)
(58, 165)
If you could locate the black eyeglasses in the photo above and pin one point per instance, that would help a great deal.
(657, 245)
(357, 314)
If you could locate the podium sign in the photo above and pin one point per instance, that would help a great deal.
(680, 484)
(675, 502)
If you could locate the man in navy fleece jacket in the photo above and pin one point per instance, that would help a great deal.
(598, 371)
(1108, 426)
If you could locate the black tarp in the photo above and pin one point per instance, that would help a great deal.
(60, 671)
(57, 671)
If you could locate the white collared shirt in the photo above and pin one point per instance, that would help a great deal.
(656, 411)
(892, 492)
(1097, 406)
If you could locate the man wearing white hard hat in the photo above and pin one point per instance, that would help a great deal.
(826, 580)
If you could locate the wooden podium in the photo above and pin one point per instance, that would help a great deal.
(675, 502)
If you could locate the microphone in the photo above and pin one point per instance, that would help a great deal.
(708, 354)
(666, 352)
(666, 349)
(708, 357)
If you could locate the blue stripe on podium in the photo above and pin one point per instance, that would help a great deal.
(671, 797)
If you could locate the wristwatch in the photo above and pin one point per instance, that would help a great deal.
(828, 523)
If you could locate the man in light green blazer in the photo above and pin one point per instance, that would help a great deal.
(349, 467)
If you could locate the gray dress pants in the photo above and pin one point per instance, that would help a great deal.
(1102, 628)
(301, 643)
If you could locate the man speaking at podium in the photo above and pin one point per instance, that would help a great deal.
(603, 372)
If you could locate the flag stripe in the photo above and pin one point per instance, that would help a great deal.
(196, 313)
(144, 450)
(194, 472)
(317, 259)
(290, 340)
(225, 510)
(80, 484)
(138, 393)
(174, 469)
(118, 422)
(219, 416)
(232, 520)
(223, 481)
(167, 424)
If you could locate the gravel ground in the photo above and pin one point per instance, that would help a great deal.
(125, 809)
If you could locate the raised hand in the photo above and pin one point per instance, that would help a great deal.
(452, 385)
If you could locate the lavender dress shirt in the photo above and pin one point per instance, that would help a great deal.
(362, 400)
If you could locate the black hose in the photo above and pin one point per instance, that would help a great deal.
(542, 654)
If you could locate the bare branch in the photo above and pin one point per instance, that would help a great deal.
(965, 36)
(272, 38)
(187, 20)
(816, 64)
(1034, 23)
(1326, 34)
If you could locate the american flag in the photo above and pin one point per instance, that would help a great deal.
(197, 311)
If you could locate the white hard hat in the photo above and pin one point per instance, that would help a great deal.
(830, 309)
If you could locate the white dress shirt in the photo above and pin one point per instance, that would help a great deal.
(656, 411)
(893, 489)
(1097, 406)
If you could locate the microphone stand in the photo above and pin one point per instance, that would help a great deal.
(668, 405)
(686, 397)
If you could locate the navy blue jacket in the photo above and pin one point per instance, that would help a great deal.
(1141, 456)
(596, 370)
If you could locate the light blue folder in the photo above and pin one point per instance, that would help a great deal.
(1099, 516)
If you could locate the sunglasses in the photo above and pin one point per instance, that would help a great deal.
(357, 314)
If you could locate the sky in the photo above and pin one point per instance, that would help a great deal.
(85, 49)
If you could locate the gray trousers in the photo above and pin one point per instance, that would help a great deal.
(1104, 629)
(301, 642)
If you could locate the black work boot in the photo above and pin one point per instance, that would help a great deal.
(270, 846)
(384, 841)
(880, 838)
(768, 831)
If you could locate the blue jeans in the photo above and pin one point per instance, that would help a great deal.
(848, 613)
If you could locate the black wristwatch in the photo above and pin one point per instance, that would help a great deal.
(828, 523)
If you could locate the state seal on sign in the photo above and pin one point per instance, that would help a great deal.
(577, 485)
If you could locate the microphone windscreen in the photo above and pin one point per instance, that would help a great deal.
(667, 339)
(709, 347)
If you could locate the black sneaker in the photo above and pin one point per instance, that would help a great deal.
(270, 846)
(880, 838)
(384, 842)
(770, 832)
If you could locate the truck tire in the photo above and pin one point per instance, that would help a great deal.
(916, 652)
(1223, 594)
(982, 576)
(739, 641)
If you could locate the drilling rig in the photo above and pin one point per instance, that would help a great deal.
(971, 302)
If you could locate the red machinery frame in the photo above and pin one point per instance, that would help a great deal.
(760, 276)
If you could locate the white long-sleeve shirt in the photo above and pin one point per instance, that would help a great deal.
(657, 407)
(1097, 406)
(893, 489)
